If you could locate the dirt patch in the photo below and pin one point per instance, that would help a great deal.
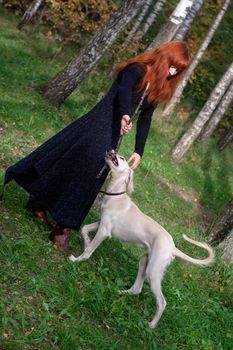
(192, 198)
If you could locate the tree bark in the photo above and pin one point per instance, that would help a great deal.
(223, 227)
(227, 246)
(138, 22)
(194, 131)
(171, 26)
(222, 233)
(226, 139)
(64, 83)
(179, 91)
(218, 114)
(184, 28)
(150, 19)
(30, 13)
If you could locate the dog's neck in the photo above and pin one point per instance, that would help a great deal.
(117, 184)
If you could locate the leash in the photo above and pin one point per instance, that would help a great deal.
(130, 121)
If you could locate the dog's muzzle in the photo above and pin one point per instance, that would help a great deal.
(111, 155)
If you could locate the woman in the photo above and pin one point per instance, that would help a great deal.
(61, 174)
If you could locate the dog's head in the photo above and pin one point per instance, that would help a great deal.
(120, 168)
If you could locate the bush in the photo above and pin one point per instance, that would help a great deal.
(69, 19)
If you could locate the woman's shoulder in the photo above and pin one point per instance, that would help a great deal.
(134, 68)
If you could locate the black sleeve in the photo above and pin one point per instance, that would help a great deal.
(143, 126)
(127, 80)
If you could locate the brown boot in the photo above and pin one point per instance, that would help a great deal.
(59, 236)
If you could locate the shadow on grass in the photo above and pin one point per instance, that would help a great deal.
(217, 190)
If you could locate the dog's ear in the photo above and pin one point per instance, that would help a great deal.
(129, 188)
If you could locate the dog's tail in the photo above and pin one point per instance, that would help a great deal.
(186, 257)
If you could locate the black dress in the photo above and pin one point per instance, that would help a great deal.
(60, 175)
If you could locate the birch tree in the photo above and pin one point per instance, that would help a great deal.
(222, 233)
(138, 22)
(171, 26)
(194, 131)
(225, 139)
(184, 28)
(30, 13)
(227, 247)
(64, 83)
(218, 114)
(150, 19)
(179, 91)
(222, 226)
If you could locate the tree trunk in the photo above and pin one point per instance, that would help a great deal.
(171, 26)
(218, 114)
(150, 19)
(64, 83)
(227, 246)
(138, 22)
(194, 131)
(223, 227)
(222, 233)
(184, 28)
(179, 91)
(30, 13)
(226, 139)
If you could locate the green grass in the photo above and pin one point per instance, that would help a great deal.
(48, 303)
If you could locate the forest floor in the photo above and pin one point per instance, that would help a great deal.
(46, 302)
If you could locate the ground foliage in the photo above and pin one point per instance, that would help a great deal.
(70, 20)
(47, 302)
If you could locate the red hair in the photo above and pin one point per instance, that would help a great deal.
(155, 65)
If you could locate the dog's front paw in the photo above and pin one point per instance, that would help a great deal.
(72, 258)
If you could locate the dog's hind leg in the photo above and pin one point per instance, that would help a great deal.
(138, 284)
(155, 275)
(85, 232)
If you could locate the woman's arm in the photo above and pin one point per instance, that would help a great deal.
(127, 81)
(143, 126)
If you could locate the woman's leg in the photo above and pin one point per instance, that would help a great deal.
(59, 234)
(60, 237)
(38, 210)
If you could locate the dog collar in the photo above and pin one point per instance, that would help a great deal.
(111, 193)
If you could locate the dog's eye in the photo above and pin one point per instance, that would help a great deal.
(122, 158)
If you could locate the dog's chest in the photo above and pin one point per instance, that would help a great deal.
(118, 215)
(122, 228)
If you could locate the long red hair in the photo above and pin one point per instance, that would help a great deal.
(155, 65)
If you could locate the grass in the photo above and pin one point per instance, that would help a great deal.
(48, 303)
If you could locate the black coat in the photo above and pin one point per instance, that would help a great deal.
(60, 175)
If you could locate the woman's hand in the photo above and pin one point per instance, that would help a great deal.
(135, 158)
(125, 127)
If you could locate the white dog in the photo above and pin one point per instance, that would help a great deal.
(123, 220)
